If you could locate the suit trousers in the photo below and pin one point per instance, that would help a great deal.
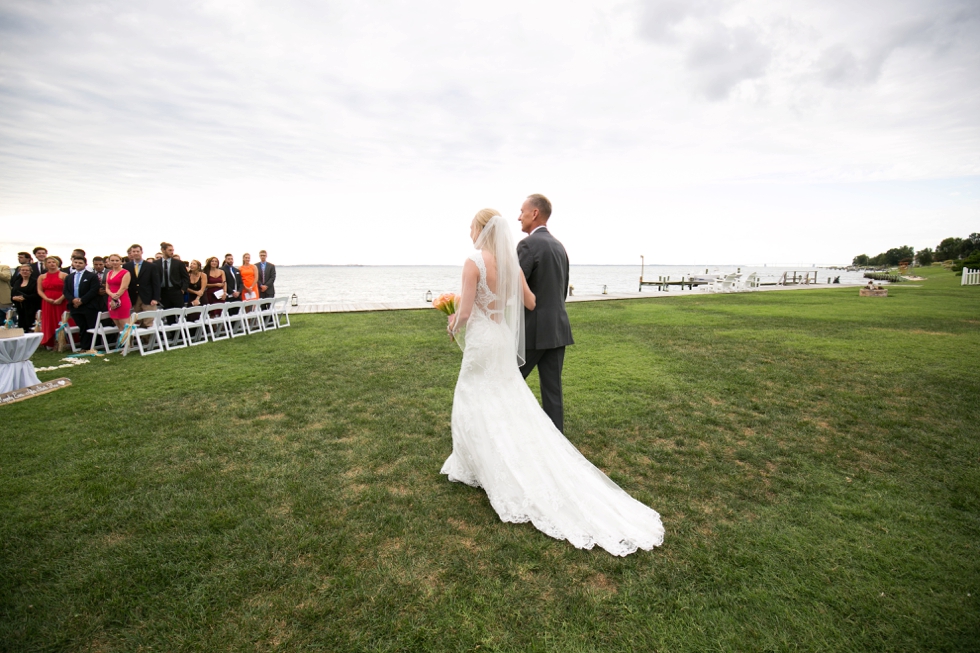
(172, 297)
(84, 320)
(549, 363)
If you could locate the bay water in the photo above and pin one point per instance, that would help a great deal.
(377, 284)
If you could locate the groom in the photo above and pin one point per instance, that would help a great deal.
(547, 332)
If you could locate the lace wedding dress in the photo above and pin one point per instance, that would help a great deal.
(505, 443)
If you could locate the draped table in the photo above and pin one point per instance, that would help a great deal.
(16, 368)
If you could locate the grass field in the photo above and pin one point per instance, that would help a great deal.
(815, 457)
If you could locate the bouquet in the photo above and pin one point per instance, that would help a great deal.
(447, 302)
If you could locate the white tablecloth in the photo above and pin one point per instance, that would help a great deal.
(16, 368)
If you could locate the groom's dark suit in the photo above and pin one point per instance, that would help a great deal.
(546, 328)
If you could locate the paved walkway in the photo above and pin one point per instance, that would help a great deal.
(356, 307)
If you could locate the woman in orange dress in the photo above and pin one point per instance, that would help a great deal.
(51, 290)
(250, 279)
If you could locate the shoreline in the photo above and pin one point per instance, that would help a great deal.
(364, 307)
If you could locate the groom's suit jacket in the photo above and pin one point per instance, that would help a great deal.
(545, 264)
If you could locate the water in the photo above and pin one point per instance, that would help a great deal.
(374, 284)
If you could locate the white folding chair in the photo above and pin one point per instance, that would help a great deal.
(267, 315)
(280, 309)
(195, 328)
(713, 286)
(236, 319)
(729, 283)
(69, 331)
(218, 323)
(102, 332)
(172, 332)
(253, 321)
(153, 339)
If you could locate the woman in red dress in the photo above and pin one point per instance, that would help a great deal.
(51, 290)
(216, 282)
(117, 288)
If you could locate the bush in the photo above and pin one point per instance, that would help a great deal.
(972, 261)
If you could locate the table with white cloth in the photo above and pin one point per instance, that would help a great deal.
(16, 368)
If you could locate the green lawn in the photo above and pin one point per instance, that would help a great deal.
(815, 457)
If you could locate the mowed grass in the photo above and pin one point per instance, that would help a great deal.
(815, 457)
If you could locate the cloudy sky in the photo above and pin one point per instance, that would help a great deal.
(697, 131)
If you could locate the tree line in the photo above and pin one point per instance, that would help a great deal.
(962, 251)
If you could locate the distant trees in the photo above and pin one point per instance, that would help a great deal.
(949, 249)
(892, 257)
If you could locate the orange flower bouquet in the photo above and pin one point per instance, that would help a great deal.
(447, 302)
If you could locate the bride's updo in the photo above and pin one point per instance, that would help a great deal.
(483, 216)
(481, 219)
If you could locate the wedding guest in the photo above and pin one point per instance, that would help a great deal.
(196, 284)
(24, 296)
(267, 277)
(25, 258)
(117, 289)
(5, 303)
(250, 275)
(80, 252)
(233, 279)
(173, 278)
(98, 267)
(144, 281)
(82, 293)
(216, 282)
(51, 290)
(39, 267)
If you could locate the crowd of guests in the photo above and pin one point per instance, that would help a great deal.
(41, 288)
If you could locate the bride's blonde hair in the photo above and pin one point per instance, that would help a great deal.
(481, 219)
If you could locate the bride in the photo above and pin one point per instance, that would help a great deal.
(502, 440)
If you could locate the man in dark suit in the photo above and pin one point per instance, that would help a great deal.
(233, 279)
(547, 331)
(174, 278)
(98, 267)
(25, 258)
(144, 281)
(37, 267)
(267, 277)
(81, 296)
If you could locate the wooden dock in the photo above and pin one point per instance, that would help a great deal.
(664, 283)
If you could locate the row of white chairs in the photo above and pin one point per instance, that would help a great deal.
(175, 328)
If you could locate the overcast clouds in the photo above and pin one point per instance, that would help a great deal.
(341, 132)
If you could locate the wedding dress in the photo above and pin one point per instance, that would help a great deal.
(505, 443)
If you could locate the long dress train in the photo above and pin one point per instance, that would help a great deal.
(505, 443)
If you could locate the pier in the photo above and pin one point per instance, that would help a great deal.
(664, 283)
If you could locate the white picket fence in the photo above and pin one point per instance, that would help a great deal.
(970, 277)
